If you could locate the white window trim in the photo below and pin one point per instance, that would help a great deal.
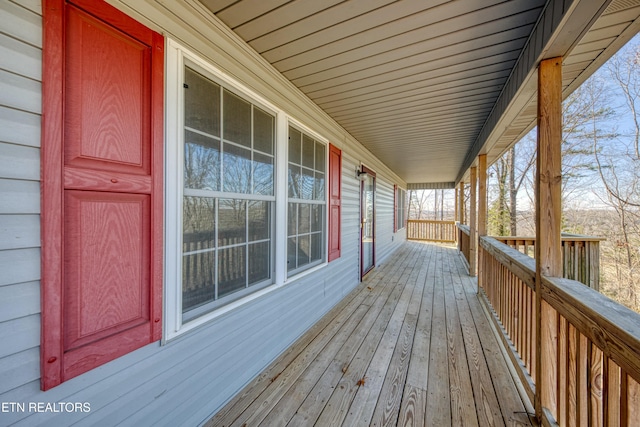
(296, 274)
(176, 54)
(398, 228)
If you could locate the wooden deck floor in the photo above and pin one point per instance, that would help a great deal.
(410, 346)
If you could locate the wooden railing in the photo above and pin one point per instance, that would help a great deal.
(590, 364)
(464, 242)
(431, 230)
(580, 256)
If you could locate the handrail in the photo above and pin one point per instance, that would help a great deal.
(565, 236)
(580, 255)
(614, 328)
(464, 241)
(594, 358)
(464, 228)
(432, 230)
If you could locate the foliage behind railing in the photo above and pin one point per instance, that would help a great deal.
(590, 365)
(431, 230)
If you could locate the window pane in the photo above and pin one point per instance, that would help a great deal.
(237, 169)
(295, 151)
(198, 223)
(201, 162)
(232, 222)
(259, 262)
(236, 119)
(307, 184)
(318, 191)
(263, 131)
(259, 220)
(304, 218)
(320, 160)
(232, 274)
(262, 174)
(317, 217)
(304, 250)
(295, 179)
(198, 282)
(198, 269)
(292, 249)
(201, 103)
(316, 247)
(292, 219)
(308, 151)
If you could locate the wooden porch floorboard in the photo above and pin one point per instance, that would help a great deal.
(410, 346)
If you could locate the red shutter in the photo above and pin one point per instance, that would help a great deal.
(102, 205)
(335, 177)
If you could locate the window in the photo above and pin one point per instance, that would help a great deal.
(245, 203)
(306, 176)
(228, 194)
(400, 208)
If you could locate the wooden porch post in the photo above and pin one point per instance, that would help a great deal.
(473, 236)
(482, 209)
(548, 222)
(482, 195)
(461, 201)
(456, 213)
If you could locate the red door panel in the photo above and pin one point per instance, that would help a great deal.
(106, 258)
(107, 97)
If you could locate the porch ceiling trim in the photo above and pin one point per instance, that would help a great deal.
(430, 185)
(561, 26)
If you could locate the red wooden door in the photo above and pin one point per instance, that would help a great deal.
(335, 174)
(105, 216)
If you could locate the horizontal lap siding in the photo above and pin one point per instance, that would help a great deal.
(386, 240)
(186, 380)
(20, 108)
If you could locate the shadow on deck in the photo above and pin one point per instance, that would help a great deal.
(411, 345)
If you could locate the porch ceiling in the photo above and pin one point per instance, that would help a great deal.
(427, 85)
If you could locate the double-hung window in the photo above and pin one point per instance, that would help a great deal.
(233, 161)
(306, 176)
(400, 217)
(228, 200)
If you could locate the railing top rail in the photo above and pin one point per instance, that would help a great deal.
(431, 221)
(565, 236)
(581, 237)
(518, 263)
(614, 328)
(465, 228)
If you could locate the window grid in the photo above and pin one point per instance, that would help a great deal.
(225, 270)
(305, 247)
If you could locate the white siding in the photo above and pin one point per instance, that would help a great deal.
(188, 379)
(20, 107)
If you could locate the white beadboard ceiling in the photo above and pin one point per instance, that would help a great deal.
(427, 85)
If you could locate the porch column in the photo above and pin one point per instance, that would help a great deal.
(548, 222)
(456, 213)
(482, 195)
(461, 201)
(482, 208)
(473, 236)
